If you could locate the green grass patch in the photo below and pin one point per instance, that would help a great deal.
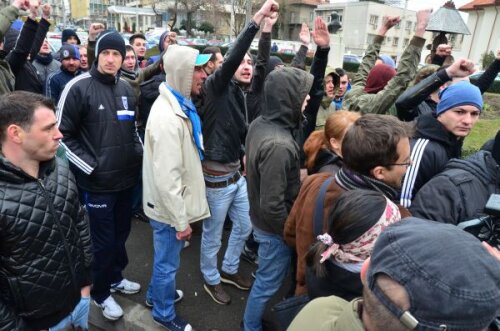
(484, 130)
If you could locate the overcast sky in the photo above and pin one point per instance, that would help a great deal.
(420, 4)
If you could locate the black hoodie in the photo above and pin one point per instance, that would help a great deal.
(273, 155)
(431, 148)
(460, 192)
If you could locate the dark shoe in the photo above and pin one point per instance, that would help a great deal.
(178, 297)
(243, 283)
(248, 255)
(217, 293)
(176, 324)
(140, 216)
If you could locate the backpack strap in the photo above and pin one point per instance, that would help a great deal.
(320, 205)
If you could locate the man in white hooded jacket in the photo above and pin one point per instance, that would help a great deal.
(174, 189)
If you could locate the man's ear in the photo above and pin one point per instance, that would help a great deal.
(364, 270)
(15, 133)
(378, 173)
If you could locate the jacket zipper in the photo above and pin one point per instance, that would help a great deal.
(58, 224)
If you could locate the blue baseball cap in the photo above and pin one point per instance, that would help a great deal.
(202, 59)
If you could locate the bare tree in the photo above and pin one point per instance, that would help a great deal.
(240, 9)
(160, 9)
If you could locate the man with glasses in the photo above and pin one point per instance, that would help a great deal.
(376, 154)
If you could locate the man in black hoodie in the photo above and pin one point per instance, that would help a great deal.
(439, 137)
(273, 174)
(461, 191)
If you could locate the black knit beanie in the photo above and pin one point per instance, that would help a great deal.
(110, 40)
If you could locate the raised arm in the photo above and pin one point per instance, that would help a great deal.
(299, 60)
(218, 81)
(488, 77)
(321, 38)
(407, 67)
(373, 50)
(418, 93)
(9, 14)
(263, 53)
(41, 32)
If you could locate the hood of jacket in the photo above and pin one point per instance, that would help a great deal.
(284, 93)
(430, 128)
(481, 164)
(178, 63)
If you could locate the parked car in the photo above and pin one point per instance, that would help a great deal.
(54, 39)
(200, 42)
(351, 58)
(215, 42)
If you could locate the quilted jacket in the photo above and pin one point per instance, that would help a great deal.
(45, 248)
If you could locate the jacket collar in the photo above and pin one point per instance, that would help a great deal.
(103, 78)
(11, 173)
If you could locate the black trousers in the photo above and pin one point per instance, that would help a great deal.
(110, 221)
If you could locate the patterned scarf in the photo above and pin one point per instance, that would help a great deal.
(361, 248)
(350, 180)
(189, 109)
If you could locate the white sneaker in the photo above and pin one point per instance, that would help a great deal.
(125, 287)
(110, 309)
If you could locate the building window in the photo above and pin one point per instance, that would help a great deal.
(398, 26)
(408, 25)
(406, 41)
(374, 20)
(395, 41)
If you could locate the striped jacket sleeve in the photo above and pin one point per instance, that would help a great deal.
(70, 110)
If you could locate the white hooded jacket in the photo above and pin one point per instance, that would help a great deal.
(173, 183)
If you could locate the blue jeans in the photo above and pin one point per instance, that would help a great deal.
(274, 260)
(79, 317)
(232, 199)
(166, 261)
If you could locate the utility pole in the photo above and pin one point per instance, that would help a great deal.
(231, 26)
(248, 16)
(402, 30)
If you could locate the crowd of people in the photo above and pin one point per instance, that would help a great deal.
(351, 184)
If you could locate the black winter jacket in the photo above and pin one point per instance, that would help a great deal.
(415, 101)
(57, 81)
(337, 281)
(29, 42)
(460, 192)
(431, 148)
(227, 109)
(45, 248)
(96, 114)
(273, 155)
(149, 93)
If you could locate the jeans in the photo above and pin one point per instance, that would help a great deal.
(274, 260)
(109, 220)
(78, 318)
(166, 261)
(232, 199)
